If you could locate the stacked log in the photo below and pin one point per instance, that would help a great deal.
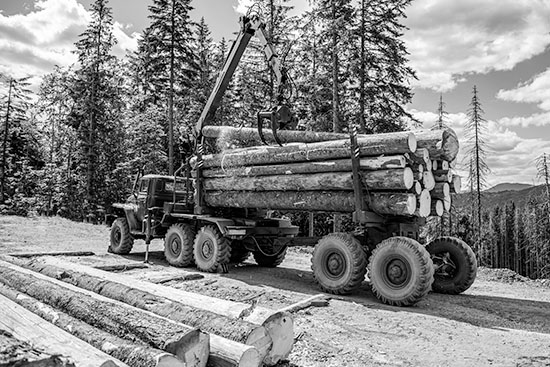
(398, 171)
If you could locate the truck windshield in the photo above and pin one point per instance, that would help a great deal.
(169, 186)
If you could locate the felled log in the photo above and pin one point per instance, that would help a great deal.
(420, 156)
(188, 344)
(399, 179)
(443, 176)
(30, 328)
(326, 201)
(369, 145)
(154, 298)
(227, 134)
(441, 190)
(437, 208)
(118, 348)
(122, 267)
(417, 188)
(428, 180)
(440, 165)
(62, 253)
(340, 165)
(447, 201)
(441, 144)
(424, 203)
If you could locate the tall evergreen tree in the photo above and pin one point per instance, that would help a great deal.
(442, 115)
(477, 153)
(543, 172)
(97, 108)
(167, 51)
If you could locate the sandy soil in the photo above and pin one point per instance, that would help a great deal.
(502, 320)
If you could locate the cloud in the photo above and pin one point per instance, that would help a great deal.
(448, 40)
(510, 157)
(33, 43)
(243, 5)
(537, 90)
(537, 119)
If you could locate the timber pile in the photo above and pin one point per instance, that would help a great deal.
(403, 174)
(233, 339)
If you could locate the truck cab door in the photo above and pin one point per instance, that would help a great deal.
(141, 199)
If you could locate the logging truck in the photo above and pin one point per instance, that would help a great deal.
(214, 210)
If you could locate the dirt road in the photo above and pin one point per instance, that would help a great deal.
(503, 320)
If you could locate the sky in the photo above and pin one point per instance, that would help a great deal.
(501, 46)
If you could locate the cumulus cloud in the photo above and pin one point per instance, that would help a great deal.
(537, 90)
(450, 39)
(243, 5)
(33, 43)
(510, 157)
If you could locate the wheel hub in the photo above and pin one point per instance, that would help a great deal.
(117, 236)
(207, 249)
(175, 246)
(335, 264)
(397, 272)
(444, 265)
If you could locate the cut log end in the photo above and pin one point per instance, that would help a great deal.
(437, 209)
(456, 185)
(280, 327)
(424, 203)
(408, 178)
(193, 348)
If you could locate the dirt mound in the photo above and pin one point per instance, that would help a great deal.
(501, 275)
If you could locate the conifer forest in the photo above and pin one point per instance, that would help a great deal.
(72, 146)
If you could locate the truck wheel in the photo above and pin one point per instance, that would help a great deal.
(178, 245)
(121, 241)
(400, 271)
(339, 263)
(269, 260)
(455, 265)
(211, 249)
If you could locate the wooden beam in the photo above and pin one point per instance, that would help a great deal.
(28, 327)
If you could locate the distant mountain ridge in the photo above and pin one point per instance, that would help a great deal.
(509, 187)
(503, 195)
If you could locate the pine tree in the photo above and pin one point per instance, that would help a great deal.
(168, 56)
(543, 173)
(19, 152)
(98, 106)
(478, 169)
(442, 115)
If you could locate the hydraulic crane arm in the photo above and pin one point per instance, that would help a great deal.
(250, 26)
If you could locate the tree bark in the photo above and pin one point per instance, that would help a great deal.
(164, 302)
(340, 165)
(325, 201)
(400, 179)
(370, 145)
(226, 135)
(117, 319)
(30, 328)
(441, 144)
(131, 353)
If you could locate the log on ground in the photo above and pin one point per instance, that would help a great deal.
(118, 319)
(339, 165)
(369, 145)
(398, 179)
(63, 253)
(258, 336)
(30, 328)
(324, 201)
(134, 354)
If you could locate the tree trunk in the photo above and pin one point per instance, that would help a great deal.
(226, 135)
(117, 319)
(121, 349)
(30, 328)
(370, 145)
(441, 144)
(341, 165)
(5, 146)
(325, 201)
(180, 306)
(388, 180)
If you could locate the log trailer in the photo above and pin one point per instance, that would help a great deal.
(175, 208)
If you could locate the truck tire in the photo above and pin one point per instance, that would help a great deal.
(121, 241)
(211, 249)
(400, 271)
(455, 265)
(178, 245)
(339, 263)
(270, 260)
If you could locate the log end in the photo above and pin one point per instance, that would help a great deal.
(412, 142)
(192, 348)
(437, 208)
(424, 204)
(456, 185)
(280, 327)
(428, 180)
(169, 360)
(408, 178)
